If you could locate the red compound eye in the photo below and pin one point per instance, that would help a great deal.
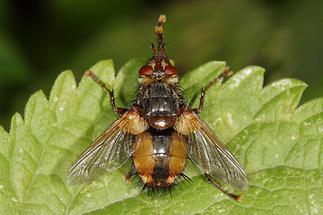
(170, 70)
(146, 70)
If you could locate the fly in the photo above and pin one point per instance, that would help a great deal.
(159, 131)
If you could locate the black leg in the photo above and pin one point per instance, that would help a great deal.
(225, 74)
(218, 186)
(90, 74)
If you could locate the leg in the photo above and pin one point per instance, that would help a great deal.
(225, 74)
(217, 185)
(90, 74)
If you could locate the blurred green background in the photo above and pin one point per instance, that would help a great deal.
(39, 39)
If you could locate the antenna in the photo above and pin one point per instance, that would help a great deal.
(159, 32)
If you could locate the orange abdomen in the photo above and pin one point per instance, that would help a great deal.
(160, 157)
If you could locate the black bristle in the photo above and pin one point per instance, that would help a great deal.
(152, 189)
(186, 178)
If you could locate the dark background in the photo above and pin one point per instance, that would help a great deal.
(39, 39)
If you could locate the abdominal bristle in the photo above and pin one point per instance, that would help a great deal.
(154, 189)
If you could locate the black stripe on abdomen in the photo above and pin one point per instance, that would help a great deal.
(161, 144)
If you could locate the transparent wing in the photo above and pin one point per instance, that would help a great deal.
(109, 151)
(208, 152)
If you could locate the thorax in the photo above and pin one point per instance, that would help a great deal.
(160, 103)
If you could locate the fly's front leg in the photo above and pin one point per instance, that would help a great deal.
(218, 186)
(225, 74)
(116, 109)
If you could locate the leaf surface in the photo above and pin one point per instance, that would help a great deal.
(278, 143)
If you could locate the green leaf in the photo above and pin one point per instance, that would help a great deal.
(278, 143)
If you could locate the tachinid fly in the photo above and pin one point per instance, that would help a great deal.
(159, 132)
